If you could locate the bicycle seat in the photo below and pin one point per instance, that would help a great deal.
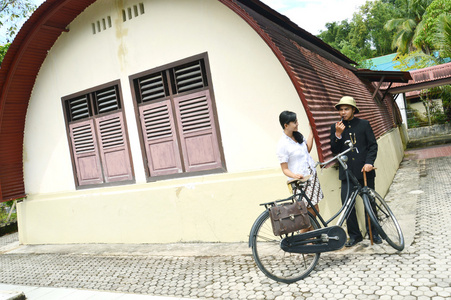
(299, 181)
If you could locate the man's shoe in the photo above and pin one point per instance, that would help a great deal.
(377, 239)
(352, 241)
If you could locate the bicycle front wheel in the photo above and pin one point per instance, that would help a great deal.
(272, 260)
(384, 220)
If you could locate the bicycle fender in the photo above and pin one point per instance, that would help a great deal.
(254, 228)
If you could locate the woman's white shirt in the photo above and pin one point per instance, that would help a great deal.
(296, 155)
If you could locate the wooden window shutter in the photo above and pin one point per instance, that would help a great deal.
(86, 154)
(107, 100)
(197, 130)
(152, 87)
(162, 151)
(114, 151)
(189, 77)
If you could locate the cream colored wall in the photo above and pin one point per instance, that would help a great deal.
(215, 208)
(250, 87)
(419, 106)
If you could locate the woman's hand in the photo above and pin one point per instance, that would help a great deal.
(288, 173)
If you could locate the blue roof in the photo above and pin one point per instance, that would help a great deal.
(387, 62)
(384, 63)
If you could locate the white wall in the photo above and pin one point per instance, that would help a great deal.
(250, 86)
(401, 102)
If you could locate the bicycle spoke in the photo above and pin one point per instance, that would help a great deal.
(384, 220)
(273, 261)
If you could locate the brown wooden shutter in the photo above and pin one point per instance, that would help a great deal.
(197, 132)
(157, 122)
(114, 151)
(86, 154)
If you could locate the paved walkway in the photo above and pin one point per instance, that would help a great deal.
(227, 271)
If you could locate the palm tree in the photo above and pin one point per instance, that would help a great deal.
(411, 12)
(442, 39)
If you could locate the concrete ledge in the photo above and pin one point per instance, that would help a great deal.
(12, 295)
(429, 141)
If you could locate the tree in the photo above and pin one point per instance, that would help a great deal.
(335, 33)
(364, 36)
(375, 14)
(12, 14)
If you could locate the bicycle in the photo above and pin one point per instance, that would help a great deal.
(293, 256)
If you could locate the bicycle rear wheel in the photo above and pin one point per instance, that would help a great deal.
(384, 220)
(272, 260)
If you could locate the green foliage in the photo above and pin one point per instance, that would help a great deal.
(414, 28)
(415, 119)
(438, 114)
(376, 15)
(428, 27)
(5, 208)
(409, 14)
(416, 60)
(404, 31)
(364, 36)
(442, 38)
(444, 93)
(3, 50)
(12, 13)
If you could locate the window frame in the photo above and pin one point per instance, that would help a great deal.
(166, 70)
(95, 117)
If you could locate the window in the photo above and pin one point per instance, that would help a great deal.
(177, 120)
(97, 136)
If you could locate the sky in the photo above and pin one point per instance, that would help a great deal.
(310, 15)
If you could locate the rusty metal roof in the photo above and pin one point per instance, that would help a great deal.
(424, 79)
(320, 74)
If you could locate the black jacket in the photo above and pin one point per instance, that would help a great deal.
(359, 131)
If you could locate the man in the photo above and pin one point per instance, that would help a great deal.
(360, 133)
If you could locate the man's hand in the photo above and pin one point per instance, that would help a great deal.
(367, 168)
(339, 128)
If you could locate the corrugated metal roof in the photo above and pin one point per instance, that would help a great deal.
(320, 74)
(17, 76)
(423, 79)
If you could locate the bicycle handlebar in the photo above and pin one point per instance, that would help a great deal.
(338, 156)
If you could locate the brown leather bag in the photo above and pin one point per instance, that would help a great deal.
(289, 217)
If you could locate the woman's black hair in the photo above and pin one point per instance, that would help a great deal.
(286, 117)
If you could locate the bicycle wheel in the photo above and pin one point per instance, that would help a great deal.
(384, 220)
(272, 260)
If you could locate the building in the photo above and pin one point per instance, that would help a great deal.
(156, 121)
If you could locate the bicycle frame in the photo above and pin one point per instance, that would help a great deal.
(357, 189)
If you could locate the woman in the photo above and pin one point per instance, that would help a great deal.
(293, 152)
